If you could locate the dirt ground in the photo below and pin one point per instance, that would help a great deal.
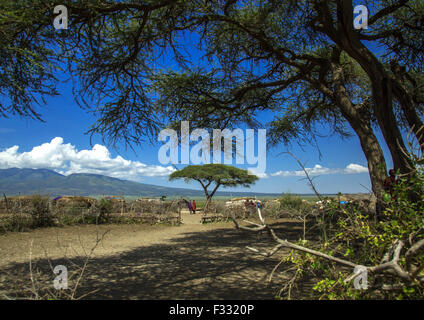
(191, 261)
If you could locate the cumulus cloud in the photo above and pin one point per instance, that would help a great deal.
(66, 159)
(355, 168)
(352, 168)
(261, 175)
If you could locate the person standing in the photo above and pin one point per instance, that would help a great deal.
(190, 208)
(193, 206)
(390, 182)
(188, 203)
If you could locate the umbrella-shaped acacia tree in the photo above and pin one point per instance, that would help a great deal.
(214, 175)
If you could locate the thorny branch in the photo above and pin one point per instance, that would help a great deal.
(391, 267)
(37, 290)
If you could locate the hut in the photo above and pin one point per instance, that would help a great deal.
(74, 201)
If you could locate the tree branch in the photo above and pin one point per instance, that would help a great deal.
(386, 11)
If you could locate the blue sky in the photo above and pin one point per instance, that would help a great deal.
(64, 119)
(60, 144)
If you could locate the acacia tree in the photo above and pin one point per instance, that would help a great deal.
(399, 26)
(214, 175)
(258, 55)
(344, 88)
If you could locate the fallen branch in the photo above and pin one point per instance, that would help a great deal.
(267, 254)
(387, 266)
(287, 244)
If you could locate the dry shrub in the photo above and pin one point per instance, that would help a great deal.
(18, 204)
(34, 281)
(272, 208)
(41, 214)
(221, 209)
(27, 212)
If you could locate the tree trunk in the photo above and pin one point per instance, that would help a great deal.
(207, 195)
(347, 39)
(208, 201)
(375, 158)
(383, 110)
(382, 92)
(362, 127)
(408, 109)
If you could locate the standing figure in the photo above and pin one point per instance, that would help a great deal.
(390, 182)
(188, 203)
(190, 208)
(193, 205)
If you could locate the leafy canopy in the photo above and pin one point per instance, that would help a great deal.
(254, 56)
(220, 174)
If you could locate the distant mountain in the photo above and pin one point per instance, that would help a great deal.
(29, 181)
(27, 174)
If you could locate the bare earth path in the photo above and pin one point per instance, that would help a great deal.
(191, 261)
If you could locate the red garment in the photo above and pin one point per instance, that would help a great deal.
(389, 183)
(194, 205)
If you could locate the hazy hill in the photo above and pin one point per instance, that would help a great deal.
(29, 181)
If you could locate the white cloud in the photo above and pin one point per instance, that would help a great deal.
(66, 159)
(352, 168)
(355, 168)
(261, 175)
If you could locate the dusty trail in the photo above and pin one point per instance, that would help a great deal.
(191, 261)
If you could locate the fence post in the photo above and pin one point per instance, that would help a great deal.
(6, 202)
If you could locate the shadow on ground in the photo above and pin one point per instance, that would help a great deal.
(199, 265)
